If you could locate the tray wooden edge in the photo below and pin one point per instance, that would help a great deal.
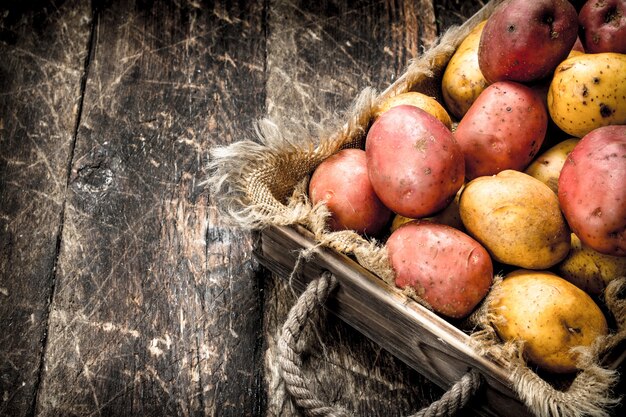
(420, 338)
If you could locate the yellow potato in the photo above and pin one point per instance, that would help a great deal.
(577, 49)
(449, 216)
(398, 221)
(422, 101)
(590, 270)
(574, 52)
(462, 80)
(517, 218)
(549, 315)
(587, 92)
(547, 166)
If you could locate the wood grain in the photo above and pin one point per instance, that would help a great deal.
(43, 54)
(122, 292)
(320, 56)
(157, 308)
(455, 12)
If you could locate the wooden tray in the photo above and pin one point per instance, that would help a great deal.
(420, 338)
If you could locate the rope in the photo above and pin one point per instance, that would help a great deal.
(290, 349)
(455, 398)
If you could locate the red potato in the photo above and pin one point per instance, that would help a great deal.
(578, 4)
(447, 268)
(592, 190)
(578, 47)
(503, 129)
(415, 165)
(603, 25)
(342, 182)
(525, 40)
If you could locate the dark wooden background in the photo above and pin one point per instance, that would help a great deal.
(121, 290)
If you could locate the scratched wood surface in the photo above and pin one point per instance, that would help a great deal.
(121, 290)
(43, 52)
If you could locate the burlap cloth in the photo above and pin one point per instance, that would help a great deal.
(263, 182)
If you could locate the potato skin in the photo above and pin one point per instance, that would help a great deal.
(590, 270)
(592, 190)
(447, 268)
(398, 221)
(413, 98)
(462, 80)
(343, 183)
(603, 24)
(415, 165)
(587, 92)
(577, 49)
(547, 166)
(550, 315)
(449, 216)
(503, 129)
(516, 218)
(525, 40)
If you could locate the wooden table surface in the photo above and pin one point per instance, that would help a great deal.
(121, 290)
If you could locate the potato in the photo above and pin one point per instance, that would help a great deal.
(525, 40)
(547, 166)
(588, 91)
(590, 270)
(592, 190)
(342, 182)
(462, 80)
(398, 221)
(503, 129)
(516, 218)
(549, 315)
(447, 268)
(415, 165)
(603, 24)
(413, 98)
(577, 49)
(449, 216)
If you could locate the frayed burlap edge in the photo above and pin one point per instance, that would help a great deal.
(261, 183)
(590, 392)
(264, 182)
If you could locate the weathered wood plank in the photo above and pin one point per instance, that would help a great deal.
(320, 56)
(157, 309)
(43, 52)
(455, 12)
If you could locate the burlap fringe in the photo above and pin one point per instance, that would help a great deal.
(254, 180)
(264, 182)
(590, 392)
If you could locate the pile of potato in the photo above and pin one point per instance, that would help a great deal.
(532, 181)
